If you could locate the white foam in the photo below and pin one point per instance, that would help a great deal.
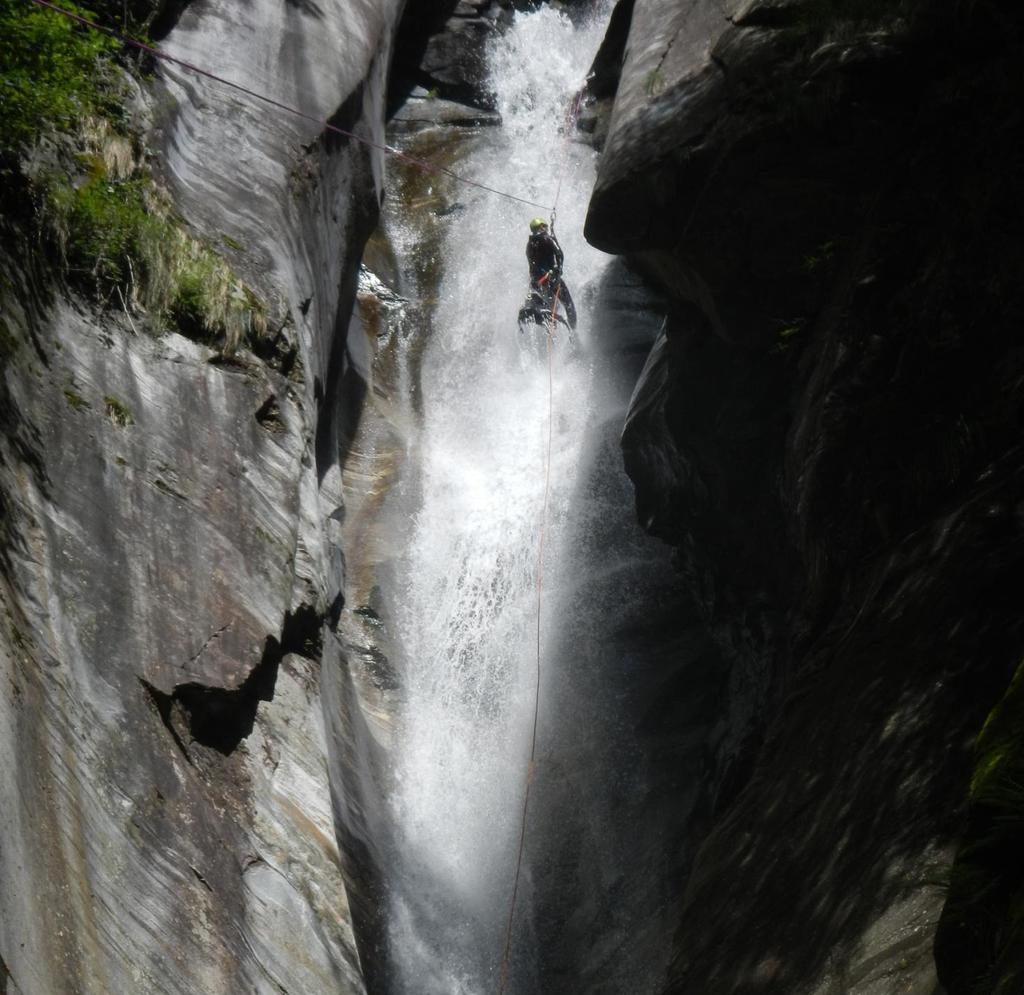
(467, 615)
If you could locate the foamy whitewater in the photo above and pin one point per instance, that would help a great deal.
(466, 618)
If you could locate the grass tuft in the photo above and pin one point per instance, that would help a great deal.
(118, 412)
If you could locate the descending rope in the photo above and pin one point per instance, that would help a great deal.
(532, 765)
(287, 108)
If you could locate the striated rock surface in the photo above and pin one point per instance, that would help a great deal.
(169, 808)
(173, 796)
(827, 434)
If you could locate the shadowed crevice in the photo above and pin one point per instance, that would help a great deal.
(167, 18)
(219, 718)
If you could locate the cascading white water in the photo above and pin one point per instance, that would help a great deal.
(466, 618)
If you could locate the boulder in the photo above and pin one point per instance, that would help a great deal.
(441, 48)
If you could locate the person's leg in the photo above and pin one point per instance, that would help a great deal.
(570, 309)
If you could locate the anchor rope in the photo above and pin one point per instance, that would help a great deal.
(287, 108)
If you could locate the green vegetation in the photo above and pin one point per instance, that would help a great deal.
(121, 238)
(117, 412)
(102, 224)
(654, 82)
(75, 399)
(1000, 751)
(982, 929)
(53, 72)
(63, 91)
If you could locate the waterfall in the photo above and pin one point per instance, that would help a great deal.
(464, 615)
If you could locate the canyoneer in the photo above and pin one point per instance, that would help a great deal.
(545, 257)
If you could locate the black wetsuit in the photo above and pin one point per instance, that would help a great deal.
(545, 256)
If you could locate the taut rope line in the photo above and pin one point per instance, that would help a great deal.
(287, 108)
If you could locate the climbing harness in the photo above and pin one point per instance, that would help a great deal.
(532, 764)
(287, 108)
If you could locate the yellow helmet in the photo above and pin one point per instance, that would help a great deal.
(537, 223)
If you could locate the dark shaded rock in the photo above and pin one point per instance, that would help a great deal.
(640, 688)
(454, 60)
(603, 78)
(979, 946)
(440, 46)
(827, 433)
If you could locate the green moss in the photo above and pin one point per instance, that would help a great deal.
(654, 82)
(18, 639)
(118, 412)
(75, 399)
(231, 243)
(9, 344)
(106, 223)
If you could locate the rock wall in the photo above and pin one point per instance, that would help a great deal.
(170, 554)
(827, 433)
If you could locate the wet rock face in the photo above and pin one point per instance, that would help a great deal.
(604, 75)
(170, 804)
(441, 48)
(169, 549)
(826, 432)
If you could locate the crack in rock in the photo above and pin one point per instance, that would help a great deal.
(200, 878)
(202, 649)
